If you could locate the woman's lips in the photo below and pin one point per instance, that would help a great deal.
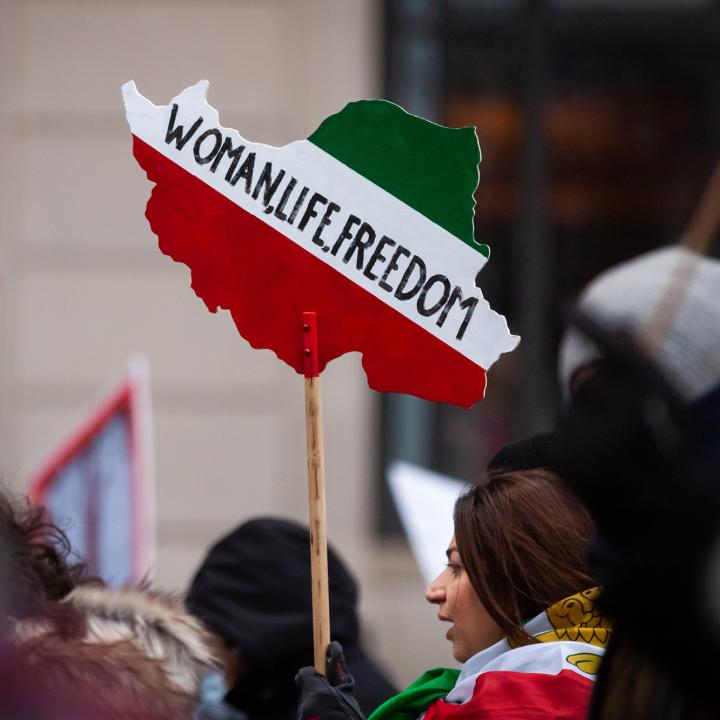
(443, 618)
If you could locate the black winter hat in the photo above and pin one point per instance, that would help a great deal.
(537, 451)
(253, 590)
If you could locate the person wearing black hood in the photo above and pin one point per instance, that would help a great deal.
(253, 590)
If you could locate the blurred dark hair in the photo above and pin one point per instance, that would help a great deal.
(36, 564)
(523, 540)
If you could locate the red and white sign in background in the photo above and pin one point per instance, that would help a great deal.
(98, 484)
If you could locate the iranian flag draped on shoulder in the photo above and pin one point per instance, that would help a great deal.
(368, 223)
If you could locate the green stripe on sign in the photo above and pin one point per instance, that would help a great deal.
(380, 141)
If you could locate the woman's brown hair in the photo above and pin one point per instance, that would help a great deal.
(523, 540)
(36, 563)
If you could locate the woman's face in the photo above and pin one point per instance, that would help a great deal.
(472, 628)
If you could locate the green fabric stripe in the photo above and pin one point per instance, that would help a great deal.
(408, 704)
(431, 168)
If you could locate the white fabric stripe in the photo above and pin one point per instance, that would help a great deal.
(487, 335)
(547, 658)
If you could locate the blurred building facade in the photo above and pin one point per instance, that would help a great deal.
(599, 123)
(84, 285)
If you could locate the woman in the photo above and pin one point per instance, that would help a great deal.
(519, 598)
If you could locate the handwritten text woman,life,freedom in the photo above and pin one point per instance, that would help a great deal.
(335, 230)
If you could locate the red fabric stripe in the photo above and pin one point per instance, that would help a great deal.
(520, 696)
(266, 281)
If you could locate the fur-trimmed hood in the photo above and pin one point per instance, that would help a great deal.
(128, 653)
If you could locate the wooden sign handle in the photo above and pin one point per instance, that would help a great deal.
(698, 236)
(705, 219)
(316, 494)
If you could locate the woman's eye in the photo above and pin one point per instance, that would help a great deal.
(454, 568)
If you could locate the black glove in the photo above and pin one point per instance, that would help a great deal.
(331, 697)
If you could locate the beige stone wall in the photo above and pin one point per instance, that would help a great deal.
(85, 286)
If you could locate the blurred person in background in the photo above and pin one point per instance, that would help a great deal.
(640, 444)
(73, 648)
(253, 590)
(521, 601)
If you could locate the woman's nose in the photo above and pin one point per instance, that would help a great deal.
(435, 592)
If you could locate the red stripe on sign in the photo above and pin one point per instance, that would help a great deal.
(520, 696)
(266, 281)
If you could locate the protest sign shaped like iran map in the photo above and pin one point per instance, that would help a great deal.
(368, 223)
